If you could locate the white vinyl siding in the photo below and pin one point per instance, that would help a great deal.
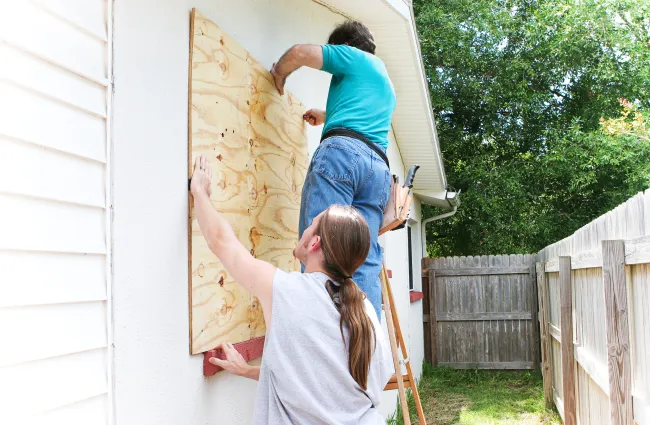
(54, 214)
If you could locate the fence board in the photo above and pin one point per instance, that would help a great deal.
(595, 370)
(483, 319)
(591, 402)
(428, 329)
(639, 297)
(536, 352)
(483, 307)
(490, 365)
(637, 251)
(477, 271)
(608, 387)
(476, 334)
(618, 342)
(586, 260)
(641, 410)
(554, 298)
(556, 360)
(466, 317)
(555, 332)
(566, 338)
(545, 335)
(432, 318)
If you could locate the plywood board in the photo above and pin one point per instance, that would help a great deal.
(257, 144)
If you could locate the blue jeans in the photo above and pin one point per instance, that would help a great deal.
(345, 171)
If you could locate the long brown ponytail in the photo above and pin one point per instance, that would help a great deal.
(345, 241)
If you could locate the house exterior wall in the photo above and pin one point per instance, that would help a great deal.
(54, 227)
(415, 313)
(69, 356)
(156, 380)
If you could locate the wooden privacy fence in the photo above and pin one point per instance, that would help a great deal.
(594, 297)
(482, 312)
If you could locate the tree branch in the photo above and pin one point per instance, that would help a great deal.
(637, 34)
(557, 93)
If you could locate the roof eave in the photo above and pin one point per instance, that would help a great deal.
(441, 199)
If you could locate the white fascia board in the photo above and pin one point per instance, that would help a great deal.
(400, 7)
(442, 199)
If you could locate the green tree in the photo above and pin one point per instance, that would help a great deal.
(630, 123)
(519, 89)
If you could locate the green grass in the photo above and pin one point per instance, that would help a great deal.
(473, 397)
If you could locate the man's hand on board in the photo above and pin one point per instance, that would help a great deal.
(314, 117)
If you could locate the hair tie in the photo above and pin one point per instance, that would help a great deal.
(347, 277)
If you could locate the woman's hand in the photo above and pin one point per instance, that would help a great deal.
(253, 274)
(314, 117)
(235, 362)
(201, 176)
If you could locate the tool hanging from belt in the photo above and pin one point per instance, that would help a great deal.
(399, 202)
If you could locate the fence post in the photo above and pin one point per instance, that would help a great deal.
(535, 313)
(433, 322)
(566, 323)
(618, 338)
(542, 293)
(426, 325)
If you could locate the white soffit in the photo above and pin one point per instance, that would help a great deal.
(391, 22)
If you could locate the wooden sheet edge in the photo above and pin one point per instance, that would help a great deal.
(189, 175)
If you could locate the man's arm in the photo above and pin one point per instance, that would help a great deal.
(253, 274)
(299, 55)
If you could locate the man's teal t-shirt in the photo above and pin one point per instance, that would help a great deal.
(361, 96)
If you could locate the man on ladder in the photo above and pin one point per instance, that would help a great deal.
(350, 167)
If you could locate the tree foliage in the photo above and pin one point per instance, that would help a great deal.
(631, 122)
(519, 89)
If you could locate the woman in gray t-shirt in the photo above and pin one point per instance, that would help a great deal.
(326, 360)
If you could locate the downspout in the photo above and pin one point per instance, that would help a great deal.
(436, 218)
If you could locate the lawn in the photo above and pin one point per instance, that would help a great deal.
(473, 397)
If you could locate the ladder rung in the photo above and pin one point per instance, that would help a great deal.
(393, 379)
(397, 342)
(392, 382)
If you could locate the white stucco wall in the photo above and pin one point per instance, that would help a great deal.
(156, 380)
(416, 327)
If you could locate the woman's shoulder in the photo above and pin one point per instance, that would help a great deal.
(295, 286)
(296, 280)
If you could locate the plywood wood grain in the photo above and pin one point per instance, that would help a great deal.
(257, 145)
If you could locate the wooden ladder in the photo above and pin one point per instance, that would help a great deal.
(399, 381)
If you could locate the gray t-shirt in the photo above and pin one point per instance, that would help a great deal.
(305, 377)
